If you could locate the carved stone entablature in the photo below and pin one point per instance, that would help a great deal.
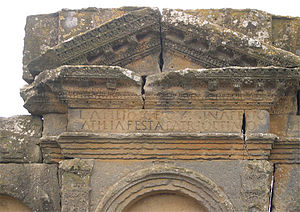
(189, 41)
(221, 88)
(131, 41)
(53, 91)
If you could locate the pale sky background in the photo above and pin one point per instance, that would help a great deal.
(13, 16)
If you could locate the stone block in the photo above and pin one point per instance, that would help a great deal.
(41, 33)
(286, 194)
(285, 33)
(293, 126)
(257, 121)
(54, 124)
(75, 184)
(36, 185)
(278, 124)
(19, 139)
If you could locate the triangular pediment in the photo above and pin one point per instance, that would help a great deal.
(131, 41)
(190, 41)
(147, 42)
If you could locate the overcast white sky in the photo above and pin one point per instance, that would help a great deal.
(13, 16)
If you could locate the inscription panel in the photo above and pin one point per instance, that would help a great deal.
(154, 121)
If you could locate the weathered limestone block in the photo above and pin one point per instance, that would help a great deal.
(190, 41)
(286, 33)
(278, 124)
(131, 41)
(293, 126)
(255, 185)
(286, 194)
(253, 23)
(50, 149)
(54, 124)
(286, 150)
(53, 91)
(19, 139)
(241, 181)
(257, 121)
(75, 184)
(40, 34)
(258, 145)
(36, 185)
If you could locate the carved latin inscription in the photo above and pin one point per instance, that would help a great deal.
(159, 121)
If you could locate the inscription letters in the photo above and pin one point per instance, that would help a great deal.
(123, 120)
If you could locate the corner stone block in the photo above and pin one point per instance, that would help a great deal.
(54, 124)
(255, 185)
(36, 185)
(75, 184)
(19, 139)
(257, 121)
(293, 128)
(286, 196)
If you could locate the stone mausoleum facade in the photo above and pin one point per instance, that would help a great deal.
(136, 109)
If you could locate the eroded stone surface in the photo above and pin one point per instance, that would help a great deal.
(36, 185)
(19, 139)
(75, 180)
(293, 126)
(255, 185)
(54, 124)
(253, 23)
(257, 121)
(285, 33)
(40, 34)
(286, 194)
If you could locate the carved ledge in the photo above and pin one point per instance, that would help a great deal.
(53, 91)
(221, 88)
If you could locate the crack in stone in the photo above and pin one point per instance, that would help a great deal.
(271, 189)
(244, 134)
(144, 78)
(298, 101)
(161, 59)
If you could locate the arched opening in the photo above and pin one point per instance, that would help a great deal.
(165, 202)
(9, 204)
(164, 188)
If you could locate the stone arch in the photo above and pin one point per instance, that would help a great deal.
(164, 179)
(10, 204)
